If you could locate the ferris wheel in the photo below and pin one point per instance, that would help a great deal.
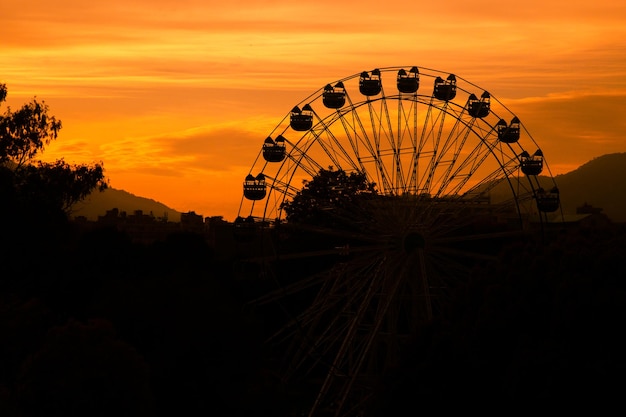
(449, 172)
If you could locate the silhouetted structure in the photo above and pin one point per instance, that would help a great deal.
(378, 256)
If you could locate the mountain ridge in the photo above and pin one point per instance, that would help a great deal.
(600, 182)
(99, 202)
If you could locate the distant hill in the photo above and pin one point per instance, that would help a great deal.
(600, 182)
(98, 203)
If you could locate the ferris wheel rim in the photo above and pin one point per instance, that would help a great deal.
(417, 237)
(289, 190)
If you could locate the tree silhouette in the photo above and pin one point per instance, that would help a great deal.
(538, 326)
(84, 369)
(36, 186)
(25, 132)
(58, 185)
(329, 191)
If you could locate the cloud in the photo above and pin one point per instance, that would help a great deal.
(574, 127)
(201, 151)
(176, 96)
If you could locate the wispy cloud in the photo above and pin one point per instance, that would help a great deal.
(174, 96)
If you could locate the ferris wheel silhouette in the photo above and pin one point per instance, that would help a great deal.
(454, 173)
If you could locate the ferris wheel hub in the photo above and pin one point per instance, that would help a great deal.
(412, 241)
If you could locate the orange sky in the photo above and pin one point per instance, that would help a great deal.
(176, 97)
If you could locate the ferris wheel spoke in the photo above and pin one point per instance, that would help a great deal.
(434, 133)
(397, 158)
(299, 158)
(356, 131)
(491, 235)
(388, 142)
(466, 169)
(354, 346)
(319, 337)
(446, 177)
(330, 317)
(374, 137)
(282, 186)
(333, 146)
(359, 137)
(444, 272)
(407, 132)
(450, 152)
(465, 160)
(464, 253)
(449, 181)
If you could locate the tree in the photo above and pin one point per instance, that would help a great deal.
(326, 195)
(59, 185)
(35, 185)
(84, 369)
(25, 132)
(537, 326)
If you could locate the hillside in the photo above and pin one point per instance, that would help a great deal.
(600, 182)
(98, 203)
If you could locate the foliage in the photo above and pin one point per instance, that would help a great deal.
(535, 326)
(59, 184)
(101, 311)
(84, 369)
(330, 190)
(25, 132)
(36, 185)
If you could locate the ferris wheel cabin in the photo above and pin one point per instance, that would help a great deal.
(508, 133)
(370, 84)
(445, 89)
(334, 97)
(254, 188)
(532, 164)
(301, 120)
(548, 201)
(408, 82)
(274, 150)
(479, 107)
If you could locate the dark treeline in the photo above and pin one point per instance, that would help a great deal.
(542, 326)
(94, 324)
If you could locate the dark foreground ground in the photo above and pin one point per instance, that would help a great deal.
(93, 324)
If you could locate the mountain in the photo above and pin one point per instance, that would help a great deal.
(600, 182)
(98, 203)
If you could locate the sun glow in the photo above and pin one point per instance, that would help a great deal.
(176, 98)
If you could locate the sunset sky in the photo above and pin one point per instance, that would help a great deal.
(176, 97)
